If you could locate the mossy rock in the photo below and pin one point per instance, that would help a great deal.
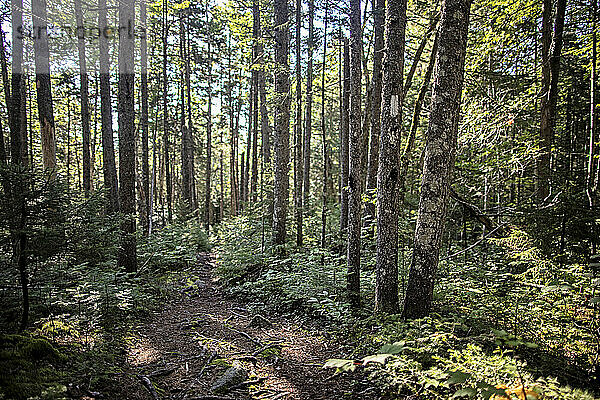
(26, 369)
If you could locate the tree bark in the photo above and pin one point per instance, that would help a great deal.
(109, 167)
(282, 121)
(186, 184)
(324, 135)
(145, 212)
(233, 138)
(386, 285)
(298, 158)
(355, 155)
(16, 145)
(551, 52)
(309, 101)
(43, 84)
(589, 183)
(344, 136)
(379, 14)
(166, 144)
(208, 194)
(7, 100)
(439, 156)
(127, 254)
(84, 99)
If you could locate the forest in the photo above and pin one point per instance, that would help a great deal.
(307, 199)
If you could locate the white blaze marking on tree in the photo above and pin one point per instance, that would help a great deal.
(394, 106)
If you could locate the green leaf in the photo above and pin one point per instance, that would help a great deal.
(468, 392)
(377, 358)
(458, 377)
(340, 364)
(395, 348)
(595, 300)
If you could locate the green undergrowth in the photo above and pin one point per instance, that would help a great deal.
(508, 320)
(83, 308)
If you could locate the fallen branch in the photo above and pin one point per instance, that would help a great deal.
(208, 361)
(266, 347)
(474, 212)
(149, 386)
(244, 334)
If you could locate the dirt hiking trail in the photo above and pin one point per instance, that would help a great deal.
(204, 346)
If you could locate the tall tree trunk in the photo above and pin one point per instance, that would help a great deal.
(84, 99)
(146, 213)
(43, 84)
(355, 155)
(109, 167)
(246, 175)
(418, 54)
(551, 51)
(165, 34)
(386, 285)
(16, 151)
(127, 255)
(190, 125)
(373, 161)
(186, 178)
(344, 147)
(439, 156)
(18, 154)
(233, 140)
(324, 134)
(207, 200)
(265, 128)
(590, 182)
(410, 141)
(7, 100)
(298, 159)
(309, 101)
(254, 174)
(282, 121)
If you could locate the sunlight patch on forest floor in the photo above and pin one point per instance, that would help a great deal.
(199, 335)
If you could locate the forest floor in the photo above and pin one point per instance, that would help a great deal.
(199, 335)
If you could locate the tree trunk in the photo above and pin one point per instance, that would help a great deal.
(233, 140)
(207, 200)
(127, 255)
(589, 183)
(410, 141)
(186, 178)
(386, 285)
(298, 159)
(324, 135)
(417, 58)
(145, 212)
(18, 236)
(246, 175)
(165, 34)
(109, 167)
(344, 136)
(254, 174)
(282, 122)
(84, 98)
(355, 156)
(309, 101)
(378, 50)
(551, 51)
(7, 101)
(439, 156)
(16, 150)
(43, 84)
(190, 124)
